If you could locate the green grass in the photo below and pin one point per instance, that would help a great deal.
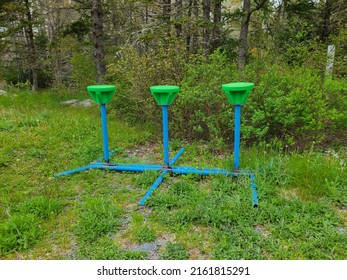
(175, 252)
(95, 214)
(99, 216)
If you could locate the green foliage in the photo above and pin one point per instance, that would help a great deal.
(341, 53)
(83, 71)
(337, 105)
(201, 100)
(134, 73)
(79, 28)
(290, 107)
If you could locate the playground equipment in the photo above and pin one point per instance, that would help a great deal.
(164, 95)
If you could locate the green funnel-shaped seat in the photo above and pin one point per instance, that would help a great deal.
(101, 94)
(237, 93)
(164, 94)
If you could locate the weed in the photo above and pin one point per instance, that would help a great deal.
(105, 249)
(20, 232)
(99, 216)
(41, 207)
(145, 234)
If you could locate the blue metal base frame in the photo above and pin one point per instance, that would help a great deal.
(164, 170)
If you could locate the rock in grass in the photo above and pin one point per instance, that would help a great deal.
(84, 103)
(76, 103)
(69, 102)
(3, 92)
(341, 230)
(147, 247)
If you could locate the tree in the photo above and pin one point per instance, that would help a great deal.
(332, 14)
(166, 4)
(206, 10)
(217, 18)
(98, 39)
(33, 58)
(178, 17)
(247, 11)
(18, 19)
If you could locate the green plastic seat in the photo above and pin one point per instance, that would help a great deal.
(101, 94)
(164, 94)
(237, 93)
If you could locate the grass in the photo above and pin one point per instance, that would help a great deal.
(95, 214)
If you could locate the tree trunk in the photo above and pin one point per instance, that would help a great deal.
(32, 50)
(243, 40)
(217, 18)
(98, 40)
(325, 28)
(178, 17)
(194, 44)
(189, 31)
(167, 15)
(206, 10)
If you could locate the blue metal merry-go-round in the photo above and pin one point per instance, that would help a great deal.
(237, 94)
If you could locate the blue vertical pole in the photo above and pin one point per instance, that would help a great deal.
(165, 109)
(104, 132)
(237, 133)
(254, 191)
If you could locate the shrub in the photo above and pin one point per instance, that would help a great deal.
(201, 107)
(134, 73)
(290, 107)
(83, 71)
(287, 105)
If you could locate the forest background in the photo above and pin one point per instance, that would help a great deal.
(279, 45)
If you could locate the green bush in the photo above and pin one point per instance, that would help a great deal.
(83, 71)
(201, 107)
(287, 105)
(290, 107)
(134, 73)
